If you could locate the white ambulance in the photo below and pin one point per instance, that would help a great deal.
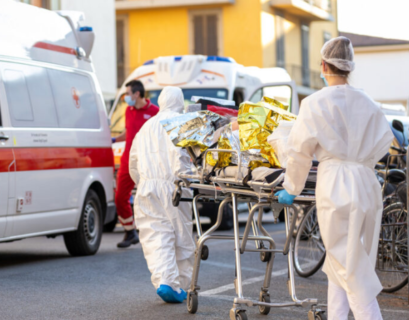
(56, 160)
(205, 76)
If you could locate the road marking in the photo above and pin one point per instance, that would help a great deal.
(293, 309)
(229, 266)
(244, 282)
(228, 287)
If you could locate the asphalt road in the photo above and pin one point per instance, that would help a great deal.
(39, 280)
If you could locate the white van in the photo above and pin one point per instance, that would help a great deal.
(56, 160)
(206, 76)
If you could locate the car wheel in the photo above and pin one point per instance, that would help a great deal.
(87, 238)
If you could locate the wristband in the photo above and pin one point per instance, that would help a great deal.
(113, 140)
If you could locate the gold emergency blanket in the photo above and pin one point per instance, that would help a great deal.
(194, 129)
(257, 121)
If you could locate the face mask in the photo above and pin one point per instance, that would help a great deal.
(129, 101)
(325, 80)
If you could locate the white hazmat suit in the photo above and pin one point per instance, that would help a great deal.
(348, 133)
(165, 231)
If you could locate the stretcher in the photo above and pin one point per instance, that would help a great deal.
(232, 185)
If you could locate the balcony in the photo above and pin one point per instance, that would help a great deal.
(312, 10)
(147, 4)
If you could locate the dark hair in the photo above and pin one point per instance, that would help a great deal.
(136, 85)
(335, 70)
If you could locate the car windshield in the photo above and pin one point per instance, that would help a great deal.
(118, 116)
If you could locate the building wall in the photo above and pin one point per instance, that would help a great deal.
(100, 14)
(384, 75)
(154, 33)
(242, 32)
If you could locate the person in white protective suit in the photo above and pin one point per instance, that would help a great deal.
(165, 231)
(347, 132)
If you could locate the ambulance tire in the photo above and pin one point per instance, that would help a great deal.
(87, 238)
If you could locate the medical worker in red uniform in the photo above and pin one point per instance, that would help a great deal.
(138, 112)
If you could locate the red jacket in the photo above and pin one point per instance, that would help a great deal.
(134, 120)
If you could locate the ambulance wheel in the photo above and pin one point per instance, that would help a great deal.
(192, 302)
(205, 252)
(87, 238)
(264, 297)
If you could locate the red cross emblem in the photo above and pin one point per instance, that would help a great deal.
(75, 97)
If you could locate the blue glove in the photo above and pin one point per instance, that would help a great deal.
(284, 197)
(113, 140)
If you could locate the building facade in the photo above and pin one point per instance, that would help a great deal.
(262, 33)
(381, 68)
(100, 15)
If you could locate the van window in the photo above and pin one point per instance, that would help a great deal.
(29, 96)
(281, 93)
(18, 97)
(75, 101)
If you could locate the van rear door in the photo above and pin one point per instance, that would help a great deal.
(285, 92)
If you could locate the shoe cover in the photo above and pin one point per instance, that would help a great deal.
(169, 295)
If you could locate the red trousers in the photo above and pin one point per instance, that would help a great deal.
(124, 186)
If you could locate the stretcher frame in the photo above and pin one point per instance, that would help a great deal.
(234, 190)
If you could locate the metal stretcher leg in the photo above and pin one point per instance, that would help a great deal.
(236, 312)
(192, 295)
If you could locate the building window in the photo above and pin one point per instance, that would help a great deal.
(305, 54)
(121, 49)
(206, 33)
(280, 39)
(327, 36)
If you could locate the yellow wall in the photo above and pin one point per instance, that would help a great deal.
(154, 33)
(242, 32)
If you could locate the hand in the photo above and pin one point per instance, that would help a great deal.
(113, 140)
(284, 197)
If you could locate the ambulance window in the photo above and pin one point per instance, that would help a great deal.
(75, 99)
(18, 98)
(280, 93)
(29, 96)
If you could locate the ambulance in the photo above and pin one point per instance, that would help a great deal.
(56, 160)
(204, 76)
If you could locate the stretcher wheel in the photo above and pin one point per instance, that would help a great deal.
(264, 297)
(265, 256)
(320, 316)
(205, 253)
(241, 315)
(192, 302)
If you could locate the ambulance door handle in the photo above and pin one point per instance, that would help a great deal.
(3, 137)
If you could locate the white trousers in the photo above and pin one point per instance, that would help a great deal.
(339, 303)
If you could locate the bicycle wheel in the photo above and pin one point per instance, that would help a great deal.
(392, 263)
(309, 250)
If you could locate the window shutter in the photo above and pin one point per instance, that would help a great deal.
(120, 52)
(211, 30)
(198, 22)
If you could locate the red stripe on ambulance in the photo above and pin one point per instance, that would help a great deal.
(32, 159)
(54, 47)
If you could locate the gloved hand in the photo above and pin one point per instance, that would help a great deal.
(284, 197)
(113, 140)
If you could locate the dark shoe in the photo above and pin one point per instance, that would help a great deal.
(131, 237)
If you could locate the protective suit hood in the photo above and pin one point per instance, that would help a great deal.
(171, 99)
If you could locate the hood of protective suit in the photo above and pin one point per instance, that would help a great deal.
(171, 99)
